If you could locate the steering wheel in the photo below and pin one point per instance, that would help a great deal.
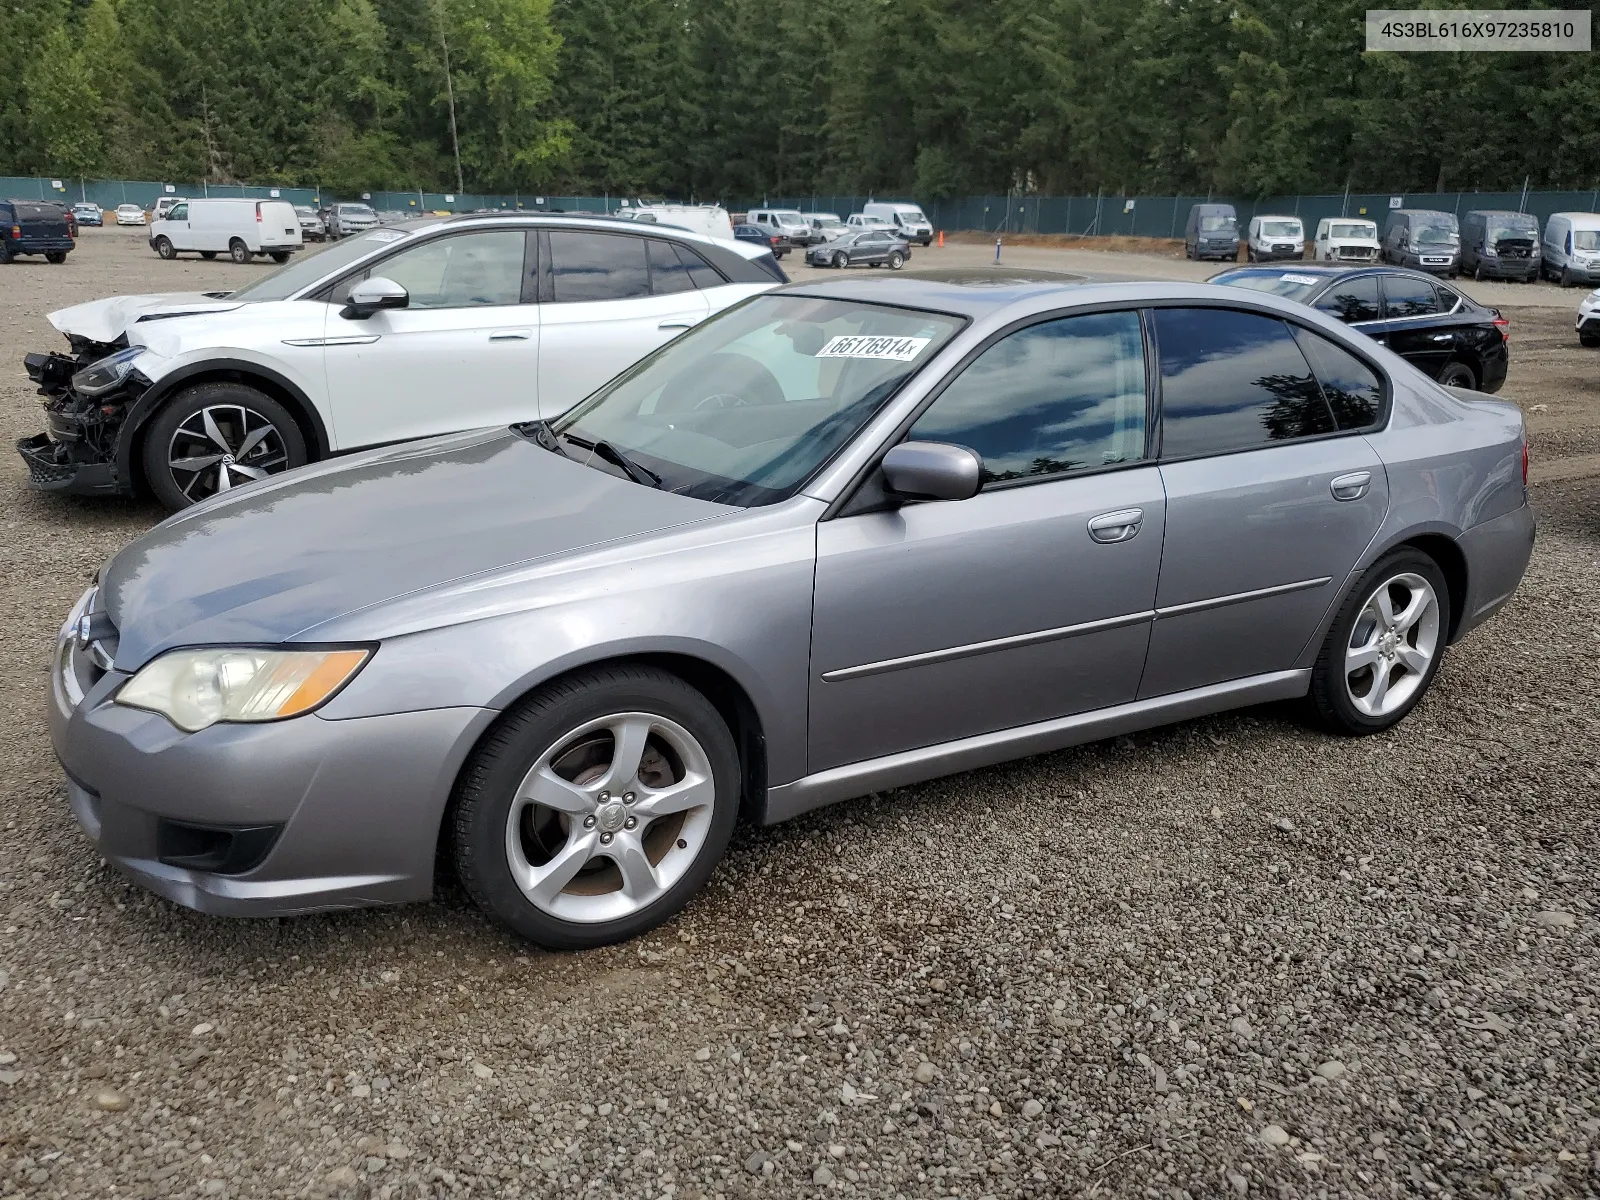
(740, 382)
(722, 400)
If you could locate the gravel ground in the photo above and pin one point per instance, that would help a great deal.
(1226, 957)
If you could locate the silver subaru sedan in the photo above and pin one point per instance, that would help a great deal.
(840, 538)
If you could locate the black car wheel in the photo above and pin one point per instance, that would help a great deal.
(840, 259)
(166, 249)
(216, 437)
(238, 251)
(598, 808)
(1589, 339)
(280, 256)
(896, 260)
(5, 251)
(56, 256)
(208, 255)
(1458, 374)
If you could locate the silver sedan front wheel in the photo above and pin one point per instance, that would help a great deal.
(597, 807)
(610, 817)
(1392, 645)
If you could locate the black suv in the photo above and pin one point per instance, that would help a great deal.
(1437, 329)
(34, 227)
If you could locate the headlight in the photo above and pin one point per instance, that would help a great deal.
(110, 372)
(197, 688)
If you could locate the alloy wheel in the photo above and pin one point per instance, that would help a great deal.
(221, 447)
(610, 817)
(1392, 645)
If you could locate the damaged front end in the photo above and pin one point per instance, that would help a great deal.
(88, 397)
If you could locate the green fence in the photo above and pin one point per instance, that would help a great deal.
(1137, 216)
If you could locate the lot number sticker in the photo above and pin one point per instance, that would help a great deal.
(1307, 280)
(899, 349)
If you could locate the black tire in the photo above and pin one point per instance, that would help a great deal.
(840, 260)
(56, 256)
(539, 726)
(178, 489)
(1589, 339)
(1458, 374)
(208, 255)
(166, 249)
(238, 251)
(280, 256)
(1330, 698)
(5, 252)
(1477, 272)
(896, 260)
(1566, 279)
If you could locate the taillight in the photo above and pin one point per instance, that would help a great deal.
(774, 239)
(1504, 326)
(1524, 462)
(16, 231)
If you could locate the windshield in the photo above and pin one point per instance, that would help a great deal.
(743, 408)
(305, 269)
(785, 217)
(1436, 235)
(1286, 229)
(1356, 230)
(1511, 229)
(1290, 284)
(1586, 239)
(913, 214)
(356, 210)
(1216, 224)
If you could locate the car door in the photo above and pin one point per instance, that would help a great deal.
(607, 301)
(463, 353)
(1029, 601)
(1414, 325)
(1272, 494)
(178, 229)
(1355, 300)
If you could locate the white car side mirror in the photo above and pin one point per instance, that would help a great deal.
(370, 295)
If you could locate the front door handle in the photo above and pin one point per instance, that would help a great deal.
(1352, 486)
(1443, 337)
(511, 335)
(1116, 526)
(676, 324)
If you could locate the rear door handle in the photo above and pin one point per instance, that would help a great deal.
(1352, 486)
(1116, 526)
(511, 335)
(676, 324)
(1443, 337)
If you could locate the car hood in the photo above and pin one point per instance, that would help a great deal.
(278, 559)
(107, 320)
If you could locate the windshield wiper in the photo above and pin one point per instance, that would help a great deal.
(608, 452)
(543, 435)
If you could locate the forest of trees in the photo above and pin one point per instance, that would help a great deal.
(741, 98)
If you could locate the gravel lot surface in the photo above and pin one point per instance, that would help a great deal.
(1231, 957)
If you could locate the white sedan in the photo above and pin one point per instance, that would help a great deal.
(130, 214)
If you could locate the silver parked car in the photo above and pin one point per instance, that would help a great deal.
(840, 538)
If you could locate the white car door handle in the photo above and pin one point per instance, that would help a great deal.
(511, 335)
(1352, 486)
(1116, 526)
(677, 323)
(1443, 337)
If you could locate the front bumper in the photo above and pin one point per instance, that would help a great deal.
(78, 454)
(1508, 268)
(348, 811)
(62, 467)
(1274, 253)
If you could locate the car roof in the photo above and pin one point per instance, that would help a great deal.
(978, 293)
(1328, 272)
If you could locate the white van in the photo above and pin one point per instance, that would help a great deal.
(785, 222)
(906, 219)
(238, 228)
(1346, 239)
(1572, 248)
(1275, 237)
(712, 220)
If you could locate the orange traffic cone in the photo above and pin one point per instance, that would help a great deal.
(941, 239)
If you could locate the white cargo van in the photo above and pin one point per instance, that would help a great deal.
(1346, 239)
(785, 222)
(1275, 237)
(1572, 248)
(712, 220)
(238, 228)
(907, 220)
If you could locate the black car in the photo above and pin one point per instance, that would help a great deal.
(35, 227)
(1437, 329)
(762, 236)
(870, 248)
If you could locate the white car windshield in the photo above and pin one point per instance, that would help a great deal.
(305, 269)
(746, 406)
(1354, 231)
(1586, 239)
(1284, 229)
(913, 215)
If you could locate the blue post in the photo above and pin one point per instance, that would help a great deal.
(997, 249)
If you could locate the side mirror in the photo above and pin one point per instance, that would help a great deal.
(932, 471)
(368, 296)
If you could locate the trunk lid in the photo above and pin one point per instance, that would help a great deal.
(40, 220)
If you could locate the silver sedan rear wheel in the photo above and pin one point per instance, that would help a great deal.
(610, 817)
(1392, 645)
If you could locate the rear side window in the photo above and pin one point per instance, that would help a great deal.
(1352, 300)
(667, 272)
(1233, 381)
(1352, 389)
(1063, 395)
(1447, 299)
(702, 272)
(1407, 297)
(597, 266)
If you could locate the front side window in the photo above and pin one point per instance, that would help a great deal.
(1233, 381)
(743, 408)
(597, 266)
(1063, 395)
(465, 271)
(1408, 297)
(1352, 300)
(178, 212)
